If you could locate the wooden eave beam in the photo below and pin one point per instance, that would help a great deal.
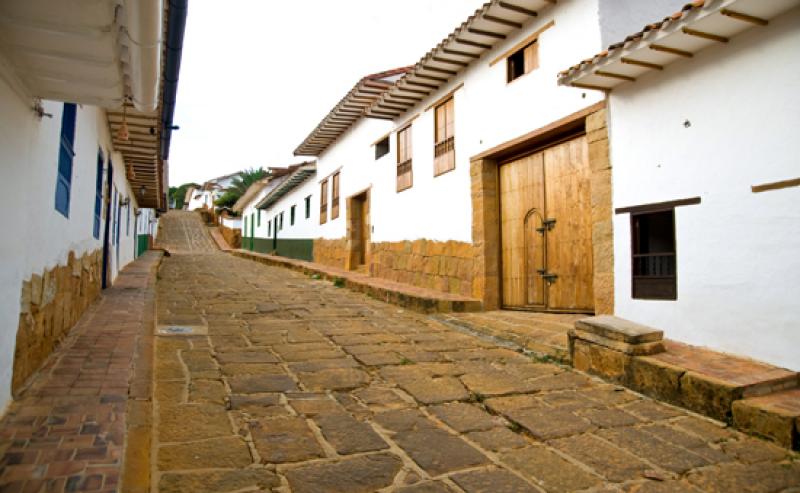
(744, 17)
(518, 9)
(612, 75)
(449, 51)
(704, 35)
(500, 20)
(451, 61)
(430, 77)
(440, 70)
(421, 84)
(379, 117)
(469, 42)
(589, 86)
(390, 107)
(640, 63)
(413, 91)
(674, 51)
(409, 98)
(488, 34)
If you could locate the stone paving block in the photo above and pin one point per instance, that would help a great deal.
(404, 420)
(364, 474)
(569, 400)
(680, 438)
(427, 487)
(465, 417)
(606, 460)
(494, 480)
(234, 369)
(312, 406)
(285, 440)
(547, 424)
(764, 477)
(503, 405)
(710, 431)
(752, 451)
(497, 439)
(243, 401)
(562, 381)
(186, 422)
(323, 364)
(548, 470)
(609, 418)
(379, 359)
(449, 454)
(246, 357)
(381, 398)
(653, 450)
(253, 384)
(348, 435)
(435, 390)
(651, 410)
(226, 452)
(334, 379)
(496, 383)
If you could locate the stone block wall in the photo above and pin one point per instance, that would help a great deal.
(602, 228)
(51, 304)
(443, 266)
(232, 236)
(332, 253)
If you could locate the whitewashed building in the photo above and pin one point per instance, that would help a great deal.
(704, 113)
(83, 159)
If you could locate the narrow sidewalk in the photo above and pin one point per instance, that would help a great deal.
(67, 431)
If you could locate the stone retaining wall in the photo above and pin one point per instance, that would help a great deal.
(443, 266)
(50, 305)
(232, 236)
(332, 253)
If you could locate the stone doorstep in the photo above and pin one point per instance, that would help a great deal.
(414, 298)
(775, 416)
(754, 396)
(619, 329)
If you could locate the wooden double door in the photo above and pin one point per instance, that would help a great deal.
(546, 229)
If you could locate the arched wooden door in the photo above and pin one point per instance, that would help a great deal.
(546, 229)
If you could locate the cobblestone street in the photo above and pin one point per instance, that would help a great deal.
(286, 383)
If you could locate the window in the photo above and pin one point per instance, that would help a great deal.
(245, 226)
(382, 148)
(523, 61)
(292, 214)
(335, 203)
(258, 223)
(269, 228)
(308, 207)
(323, 202)
(98, 195)
(653, 249)
(66, 154)
(280, 221)
(444, 138)
(404, 176)
(128, 218)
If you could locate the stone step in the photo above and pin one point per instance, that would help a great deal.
(775, 417)
(412, 297)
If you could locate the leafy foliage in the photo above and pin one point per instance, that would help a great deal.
(179, 193)
(239, 186)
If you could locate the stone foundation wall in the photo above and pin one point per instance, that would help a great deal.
(443, 266)
(332, 253)
(232, 236)
(602, 226)
(50, 306)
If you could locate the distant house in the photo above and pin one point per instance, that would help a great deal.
(87, 119)
(206, 195)
(704, 112)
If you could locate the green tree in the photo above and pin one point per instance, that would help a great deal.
(239, 186)
(178, 194)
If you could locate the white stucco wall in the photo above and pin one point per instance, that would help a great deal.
(738, 253)
(200, 199)
(251, 212)
(36, 236)
(488, 112)
(303, 228)
(232, 222)
(621, 18)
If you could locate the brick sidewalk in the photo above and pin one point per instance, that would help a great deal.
(67, 431)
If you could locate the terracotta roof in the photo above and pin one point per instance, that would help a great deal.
(493, 22)
(696, 26)
(300, 173)
(347, 111)
(257, 187)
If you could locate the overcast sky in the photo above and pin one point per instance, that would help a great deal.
(258, 75)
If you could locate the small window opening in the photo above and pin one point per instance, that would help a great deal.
(653, 249)
(523, 61)
(382, 148)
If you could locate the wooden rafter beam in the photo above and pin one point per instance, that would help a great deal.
(413, 91)
(469, 42)
(430, 77)
(500, 20)
(421, 84)
(440, 70)
(408, 98)
(744, 17)
(484, 32)
(612, 75)
(518, 9)
(460, 53)
(589, 86)
(674, 51)
(451, 61)
(640, 63)
(704, 35)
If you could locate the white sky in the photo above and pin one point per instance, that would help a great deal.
(258, 75)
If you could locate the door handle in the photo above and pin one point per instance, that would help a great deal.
(549, 223)
(550, 278)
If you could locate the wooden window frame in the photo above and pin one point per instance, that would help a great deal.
(648, 286)
(66, 158)
(404, 159)
(292, 214)
(529, 57)
(382, 147)
(335, 179)
(269, 228)
(98, 195)
(308, 207)
(323, 201)
(444, 146)
(258, 220)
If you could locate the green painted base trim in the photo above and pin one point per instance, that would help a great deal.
(299, 249)
(142, 244)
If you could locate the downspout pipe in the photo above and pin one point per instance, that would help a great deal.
(176, 25)
(144, 22)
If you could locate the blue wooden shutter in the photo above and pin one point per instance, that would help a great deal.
(65, 156)
(98, 195)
